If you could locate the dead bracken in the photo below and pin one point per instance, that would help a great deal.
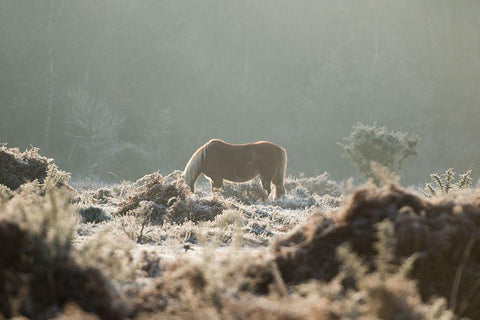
(34, 278)
(158, 200)
(17, 168)
(444, 233)
(57, 265)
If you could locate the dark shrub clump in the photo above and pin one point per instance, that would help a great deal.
(93, 215)
(36, 278)
(444, 233)
(158, 200)
(17, 168)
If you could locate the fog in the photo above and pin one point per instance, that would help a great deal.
(122, 88)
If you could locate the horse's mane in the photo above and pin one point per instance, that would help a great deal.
(192, 168)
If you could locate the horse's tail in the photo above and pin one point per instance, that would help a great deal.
(193, 168)
(279, 177)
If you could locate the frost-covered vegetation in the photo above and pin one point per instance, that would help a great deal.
(121, 93)
(152, 249)
(372, 144)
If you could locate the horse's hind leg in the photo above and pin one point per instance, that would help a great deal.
(216, 183)
(279, 191)
(266, 185)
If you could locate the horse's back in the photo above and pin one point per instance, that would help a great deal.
(242, 160)
(216, 142)
(269, 150)
(253, 149)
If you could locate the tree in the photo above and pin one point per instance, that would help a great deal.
(93, 128)
(56, 8)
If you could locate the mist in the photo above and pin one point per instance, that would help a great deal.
(122, 88)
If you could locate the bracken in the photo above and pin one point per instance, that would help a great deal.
(444, 233)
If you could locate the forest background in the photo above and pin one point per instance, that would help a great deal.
(115, 89)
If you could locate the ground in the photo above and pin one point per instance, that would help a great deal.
(153, 249)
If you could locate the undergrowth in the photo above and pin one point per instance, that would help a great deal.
(39, 271)
(446, 182)
(153, 250)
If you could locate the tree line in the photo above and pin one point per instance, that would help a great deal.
(121, 88)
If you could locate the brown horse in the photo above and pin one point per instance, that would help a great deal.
(219, 160)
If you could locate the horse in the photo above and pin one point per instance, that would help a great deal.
(219, 160)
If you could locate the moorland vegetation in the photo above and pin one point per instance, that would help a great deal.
(153, 249)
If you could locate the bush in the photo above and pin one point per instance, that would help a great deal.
(38, 270)
(247, 192)
(320, 185)
(17, 168)
(93, 214)
(444, 233)
(155, 200)
(444, 183)
(367, 144)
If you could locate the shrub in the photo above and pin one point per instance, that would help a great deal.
(93, 214)
(246, 192)
(38, 269)
(444, 183)
(155, 200)
(445, 233)
(320, 185)
(17, 168)
(367, 144)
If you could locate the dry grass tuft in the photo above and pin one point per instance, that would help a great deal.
(39, 269)
(17, 168)
(154, 188)
(158, 200)
(38, 275)
(247, 192)
(319, 185)
(73, 312)
(174, 290)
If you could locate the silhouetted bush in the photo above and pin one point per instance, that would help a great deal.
(368, 144)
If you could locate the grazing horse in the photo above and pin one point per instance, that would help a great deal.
(219, 160)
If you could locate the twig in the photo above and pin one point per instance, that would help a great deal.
(458, 274)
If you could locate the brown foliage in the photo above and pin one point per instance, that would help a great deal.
(159, 200)
(247, 192)
(173, 291)
(73, 312)
(320, 185)
(35, 279)
(17, 167)
(444, 233)
(393, 298)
